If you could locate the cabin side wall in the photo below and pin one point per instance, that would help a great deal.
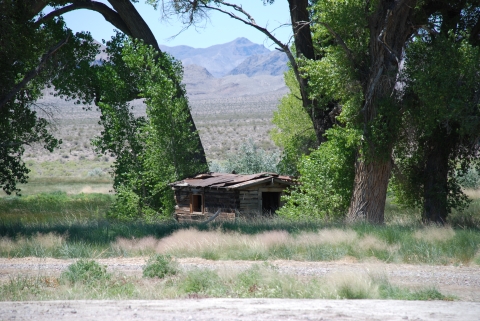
(212, 200)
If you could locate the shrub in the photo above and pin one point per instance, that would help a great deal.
(326, 178)
(85, 271)
(96, 172)
(469, 179)
(159, 266)
(202, 281)
(249, 159)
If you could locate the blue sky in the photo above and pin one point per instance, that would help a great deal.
(220, 28)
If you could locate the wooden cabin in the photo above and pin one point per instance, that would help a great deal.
(200, 197)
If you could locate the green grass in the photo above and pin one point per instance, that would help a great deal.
(74, 226)
(391, 244)
(86, 279)
(53, 207)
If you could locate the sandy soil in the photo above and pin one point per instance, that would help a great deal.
(461, 281)
(240, 309)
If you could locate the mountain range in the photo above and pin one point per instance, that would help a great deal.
(223, 59)
(235, 69)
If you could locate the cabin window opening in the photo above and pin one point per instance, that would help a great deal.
(197, 203)
(270, 202)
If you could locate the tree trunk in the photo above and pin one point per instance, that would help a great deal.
(390, 27)
(323, 117)
(370, 190)
(302, 34)
(435, 185)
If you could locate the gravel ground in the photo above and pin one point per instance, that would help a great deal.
(461, 281)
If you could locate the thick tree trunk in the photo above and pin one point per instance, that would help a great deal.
(370, 190)
(390, 27)
(435, 185)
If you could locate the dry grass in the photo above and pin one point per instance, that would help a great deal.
(328, 237)
(37, 245)
(191, 242)
(434, 234)
(351, 285)
(370, 242)
(472, 193)
(144, 244)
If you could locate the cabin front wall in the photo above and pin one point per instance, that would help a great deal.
(251, 198)
(246, 202)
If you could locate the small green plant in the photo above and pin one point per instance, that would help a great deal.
(202, 281)
(160, 266)
(86, 271)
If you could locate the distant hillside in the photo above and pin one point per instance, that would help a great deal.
(200, 84)
(273, 64)
(219, 60)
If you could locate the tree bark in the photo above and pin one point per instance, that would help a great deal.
(302, 34)
(370, 190)
(390, 27)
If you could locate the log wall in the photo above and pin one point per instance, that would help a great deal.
(239, 202)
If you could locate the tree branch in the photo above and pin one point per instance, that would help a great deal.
(110, 15)
(32, 73)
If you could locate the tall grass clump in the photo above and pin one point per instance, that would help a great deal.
(86, 279)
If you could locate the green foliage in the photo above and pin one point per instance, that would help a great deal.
(150, 152)
(86, 271)
(293, 130)
(249, 159)
(159, 266)
(468, 179)
(326, 179)
(202, 281)
(24, 43)
(446, 117)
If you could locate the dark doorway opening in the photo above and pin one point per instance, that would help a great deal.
(270, 202)
(197, 203)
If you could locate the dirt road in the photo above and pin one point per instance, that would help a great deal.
(240, 309)
(460, 281)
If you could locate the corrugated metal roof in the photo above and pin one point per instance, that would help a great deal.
(231, 181)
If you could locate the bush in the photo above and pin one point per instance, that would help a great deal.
(159, 266)
(96, 172)
(470, 179)
(249, 159)
(202, 281)
(85, 271)
(326, 178)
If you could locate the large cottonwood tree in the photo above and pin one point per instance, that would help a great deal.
(357, 62)
(439, 141)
